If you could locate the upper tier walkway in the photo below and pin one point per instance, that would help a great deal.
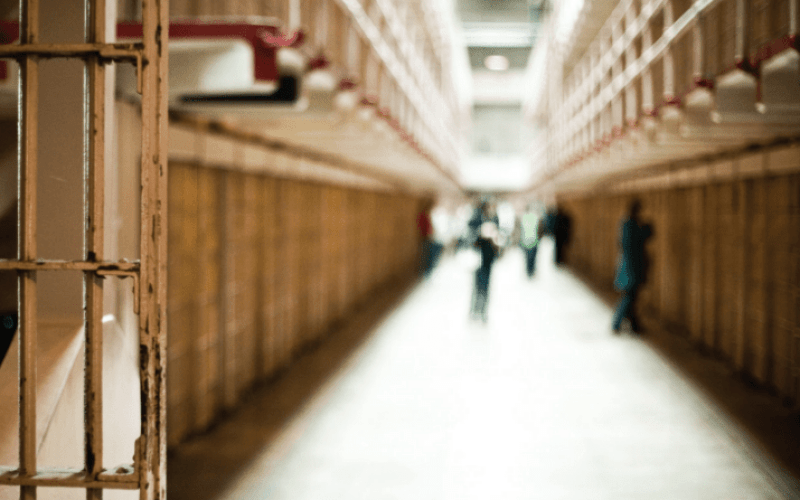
(541, 402)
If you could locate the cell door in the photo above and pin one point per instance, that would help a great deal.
(146, 472)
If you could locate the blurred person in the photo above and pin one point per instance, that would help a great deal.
(557, 225)
(441, 234)
(530, 232)
(8, 280)
(486, 244)
(483, 213)
(632, 269)
(475, 221)
(461, 227)
(425, 227)
(561, 235)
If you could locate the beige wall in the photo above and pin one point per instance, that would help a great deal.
(261, 267)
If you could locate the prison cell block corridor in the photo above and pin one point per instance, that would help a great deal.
(412, 399)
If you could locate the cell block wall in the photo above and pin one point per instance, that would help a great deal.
(261, 268)
(723, 266)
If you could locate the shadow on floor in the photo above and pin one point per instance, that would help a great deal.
(766, 429)
(202, 468)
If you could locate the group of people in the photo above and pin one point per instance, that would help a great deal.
(532, 226)
(484, 235)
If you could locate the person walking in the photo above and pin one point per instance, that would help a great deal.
(530, 231)
(488, 251)
(632, 269)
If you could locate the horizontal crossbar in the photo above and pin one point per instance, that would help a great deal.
(72, 478)
(67, 265)
(111, 51)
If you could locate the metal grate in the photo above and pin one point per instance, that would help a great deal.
(147, 473)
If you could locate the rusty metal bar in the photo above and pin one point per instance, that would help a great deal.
(152, 289)
(67, 265)
(111, 51)
(27, 248)
(94, 200)
(70, 478)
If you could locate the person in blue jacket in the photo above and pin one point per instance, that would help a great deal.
(632, 268)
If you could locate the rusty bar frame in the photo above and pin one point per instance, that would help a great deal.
(148, 473)
(94, 202)
(70, 478)
(27, 247)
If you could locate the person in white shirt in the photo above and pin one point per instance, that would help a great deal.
(529, 238)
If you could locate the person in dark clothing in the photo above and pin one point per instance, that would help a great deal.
(561, 235)
(556, 224)
(475, 221)
(632, 269)
(483, 213)
(488, 249)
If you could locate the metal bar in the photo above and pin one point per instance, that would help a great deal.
(742, 29)
(698, 47)
(668, 60)
(67, 265)
(68, 478)
(152, 320)
(111, 51)
(27, 144)
(122, 275)
(94, 196)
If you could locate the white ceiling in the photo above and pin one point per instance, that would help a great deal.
(495, 158)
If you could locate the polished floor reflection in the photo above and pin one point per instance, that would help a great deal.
(542, 401)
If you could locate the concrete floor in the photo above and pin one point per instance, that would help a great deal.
(542, 402)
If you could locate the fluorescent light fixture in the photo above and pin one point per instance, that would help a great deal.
(496, 62)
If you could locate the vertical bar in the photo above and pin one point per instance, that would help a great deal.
(742, 30)
(28, 111)
(93, 245)
(669, 63)
(698, 47)
(152, 320)
(647, 73)
(631, 108)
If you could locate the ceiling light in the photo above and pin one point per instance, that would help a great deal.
(496, 63)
